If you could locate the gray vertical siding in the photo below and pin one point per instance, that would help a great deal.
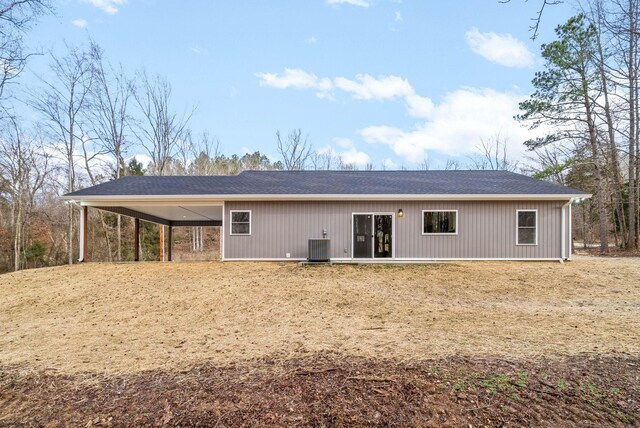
(486, 229)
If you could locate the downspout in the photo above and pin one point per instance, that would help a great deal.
(570, 233)
(80, 231)
(563, 241)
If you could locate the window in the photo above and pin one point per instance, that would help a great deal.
(527, 227)
(241, 222)
(439, 222)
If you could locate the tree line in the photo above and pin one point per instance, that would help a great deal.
(91, 115)
(586, 100)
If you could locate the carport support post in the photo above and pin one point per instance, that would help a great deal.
(84, 223)
(161, 228)
(85, 244)
(170, 238)
(136, 239)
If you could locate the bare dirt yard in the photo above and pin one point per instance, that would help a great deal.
(276, 344)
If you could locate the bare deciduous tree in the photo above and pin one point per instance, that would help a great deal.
(205, 151)
(160, 130)
(61, 102)
(425, 165)
(322, 160)
(452, 165)
(535, 27)
(16, 17)
(622, 22)
(295, 150)
(110, 119)
(24, 167)
(110, 109)
(493, 155)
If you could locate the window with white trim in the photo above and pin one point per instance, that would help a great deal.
(527, 227)
(240, 222)
(439, 222)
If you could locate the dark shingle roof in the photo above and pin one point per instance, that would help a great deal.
(332, 183)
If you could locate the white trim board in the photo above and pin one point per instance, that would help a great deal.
(218, 199)
(521, 259)
(393, 234)
(530, 210)
(257, 259)
(395, 261)
(440, 233)
(231, 212)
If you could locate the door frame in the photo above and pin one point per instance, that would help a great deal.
(393, 234)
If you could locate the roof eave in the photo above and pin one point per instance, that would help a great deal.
(319, 197)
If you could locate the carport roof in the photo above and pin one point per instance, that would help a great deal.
(329, 183)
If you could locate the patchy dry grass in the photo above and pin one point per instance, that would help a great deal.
(124, 318)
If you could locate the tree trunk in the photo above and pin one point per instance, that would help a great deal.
(631, 239)
(597, 173)
(105, 229)
(616, 176)
(70, 185)
(17, 237)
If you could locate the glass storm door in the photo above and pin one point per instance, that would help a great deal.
(362, 236)
(382, 236)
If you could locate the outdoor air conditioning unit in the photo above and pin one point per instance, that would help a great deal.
(319, 250)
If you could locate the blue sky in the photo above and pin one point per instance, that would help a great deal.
(383, 81)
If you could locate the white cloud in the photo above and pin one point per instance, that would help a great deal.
(345, 143)
(326, 96)
(398, 16)
(80, 23)
(453, 127)
(456, 126)
(297, 79)
(312, 40)
(363, 87)
(419, 106)
(503, 49)
(361, 3)
(366, 87)
(389, 164)
(196, 50)
(355, 157)
(348, 153)
(107, 6)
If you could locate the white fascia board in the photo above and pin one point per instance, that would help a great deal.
(218, 199)
(176, 202)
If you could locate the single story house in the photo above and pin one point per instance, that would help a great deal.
(377, 216)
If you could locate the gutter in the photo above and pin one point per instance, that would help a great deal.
(86, 200)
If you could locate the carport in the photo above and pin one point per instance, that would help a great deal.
(166, 213)
(168, 201)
